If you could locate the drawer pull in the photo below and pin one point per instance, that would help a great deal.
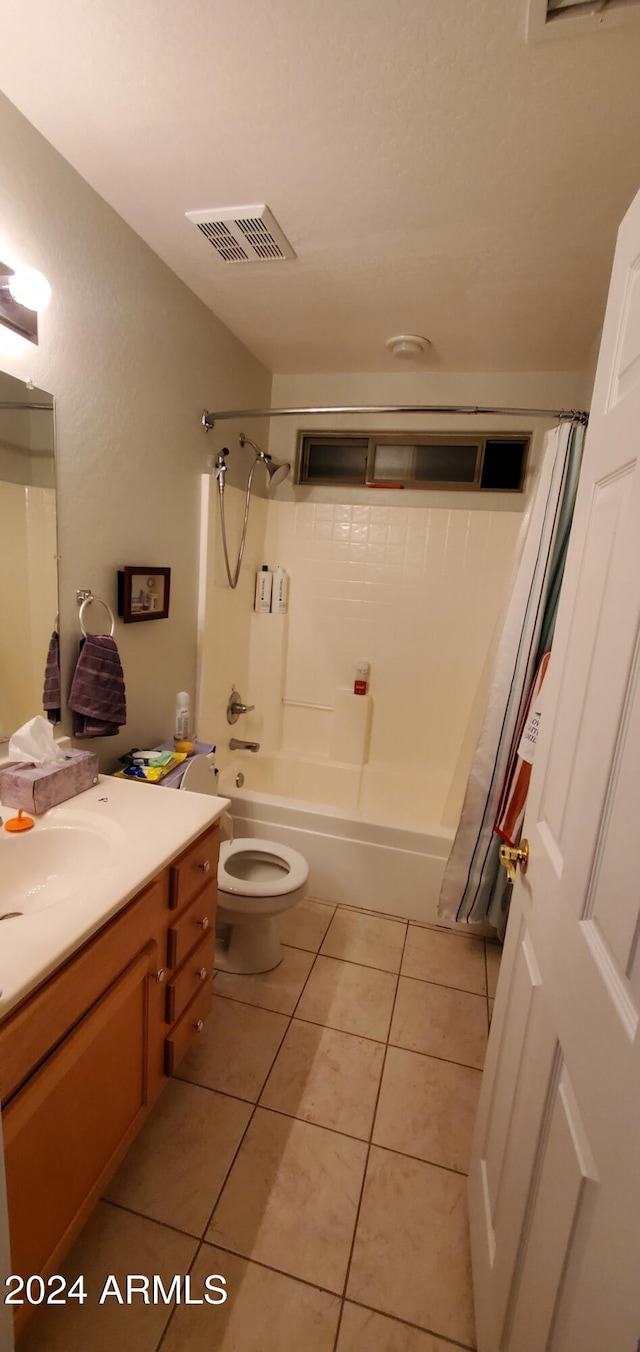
(204, 923)
(160, 974)
(199, 1026)
(205, 866)
(202, 974)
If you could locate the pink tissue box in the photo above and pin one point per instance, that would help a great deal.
(36, 789)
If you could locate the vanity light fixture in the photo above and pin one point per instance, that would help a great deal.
(23, 292)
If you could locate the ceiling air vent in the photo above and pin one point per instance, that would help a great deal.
(564, 18)
(243, 234)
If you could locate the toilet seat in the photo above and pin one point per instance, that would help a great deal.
(289, 868)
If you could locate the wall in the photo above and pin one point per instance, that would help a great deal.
(132, 358)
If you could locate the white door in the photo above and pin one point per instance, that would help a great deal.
(555, 1178)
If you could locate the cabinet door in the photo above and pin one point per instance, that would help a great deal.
(69, 1126)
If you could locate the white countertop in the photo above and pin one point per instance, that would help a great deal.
(145, 827)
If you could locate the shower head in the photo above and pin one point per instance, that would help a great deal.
(277, 470)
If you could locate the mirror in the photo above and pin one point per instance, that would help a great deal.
(28, 549)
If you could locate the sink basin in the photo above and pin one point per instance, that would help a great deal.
(49, 864)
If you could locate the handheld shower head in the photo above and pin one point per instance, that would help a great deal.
(277, 470)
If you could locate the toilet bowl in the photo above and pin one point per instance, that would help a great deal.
(257, 880)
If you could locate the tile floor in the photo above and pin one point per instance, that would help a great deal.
(312, 1151)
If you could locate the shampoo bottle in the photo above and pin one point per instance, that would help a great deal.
(264, 585)
(280, 593)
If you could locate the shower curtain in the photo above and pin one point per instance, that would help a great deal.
(474, 883)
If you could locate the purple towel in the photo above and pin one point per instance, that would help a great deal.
(97, 697)
(51, 698)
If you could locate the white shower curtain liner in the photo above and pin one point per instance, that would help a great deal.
(471, 877)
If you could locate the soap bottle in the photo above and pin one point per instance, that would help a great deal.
(182, 729)
(280, 593)
(264, 587)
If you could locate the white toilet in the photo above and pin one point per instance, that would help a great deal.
(257, 880)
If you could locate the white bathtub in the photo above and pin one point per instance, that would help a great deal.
(375, 864)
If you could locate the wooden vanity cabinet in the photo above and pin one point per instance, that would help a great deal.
(84, 1057)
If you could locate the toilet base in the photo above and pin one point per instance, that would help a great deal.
(251, 948)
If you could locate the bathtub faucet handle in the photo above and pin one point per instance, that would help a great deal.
(236, 707)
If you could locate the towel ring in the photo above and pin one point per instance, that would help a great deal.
(87, 602)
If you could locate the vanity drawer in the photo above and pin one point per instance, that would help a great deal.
(197, 865)
(187, 1028)
(195, 971)
(188, 928)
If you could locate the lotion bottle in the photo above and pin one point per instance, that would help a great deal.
(264, 586)
(280, 593)
(182, 729)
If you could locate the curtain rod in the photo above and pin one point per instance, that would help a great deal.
(209, 420)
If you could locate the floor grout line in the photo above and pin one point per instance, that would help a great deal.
(153, 1220)
(333, 1028)
(420, 1328)
(368, 1155)
(425, 981)
(271, 1267)
(368, 966)
(175, 1307)
(363, 1140)
(317, 953)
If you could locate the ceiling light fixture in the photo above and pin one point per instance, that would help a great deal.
(23, 292)
(407, 345)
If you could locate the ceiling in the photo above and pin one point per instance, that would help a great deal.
(434, 173)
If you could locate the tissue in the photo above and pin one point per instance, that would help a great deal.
(34, 744)
(45, 775)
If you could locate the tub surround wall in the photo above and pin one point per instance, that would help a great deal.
(132, 358)
(415, 591)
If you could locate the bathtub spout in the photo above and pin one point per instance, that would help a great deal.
(236, 744)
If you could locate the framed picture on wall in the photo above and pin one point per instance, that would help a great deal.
(143, 593)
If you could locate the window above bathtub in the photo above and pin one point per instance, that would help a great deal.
(486, 463)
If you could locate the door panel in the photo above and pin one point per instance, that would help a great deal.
(558, 1191)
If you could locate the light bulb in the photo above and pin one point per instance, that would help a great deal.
(30, 288)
